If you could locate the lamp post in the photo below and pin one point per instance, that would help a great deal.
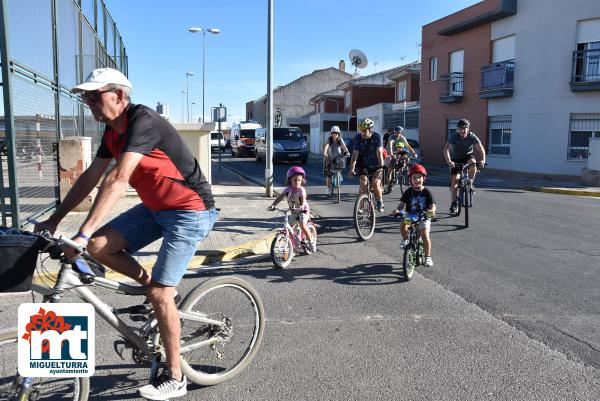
(183, 92)
(192, 109)
(214, 31)
(187, 89)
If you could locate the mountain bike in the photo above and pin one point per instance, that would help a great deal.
(414, 253)
(364, 209)
(289, 240)
(222, 325)
(465, 191)
(336, 166)
(398, 172)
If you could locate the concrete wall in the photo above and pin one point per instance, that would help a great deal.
(546, 32)
(317, 136)
(197, 138)
(375, 113)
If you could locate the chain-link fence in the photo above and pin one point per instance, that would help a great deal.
(46, 48)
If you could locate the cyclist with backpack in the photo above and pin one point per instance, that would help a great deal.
(459, 149)
(418, 199)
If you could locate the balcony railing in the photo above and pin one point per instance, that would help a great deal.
(585, 70)
(452, 85)
(497, 80)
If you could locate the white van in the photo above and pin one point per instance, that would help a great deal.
(243, 137)
(217, 140)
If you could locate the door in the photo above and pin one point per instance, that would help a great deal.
(457, 60)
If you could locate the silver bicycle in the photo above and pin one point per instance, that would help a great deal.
(222, 324)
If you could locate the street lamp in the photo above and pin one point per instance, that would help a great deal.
(214, 31)
(187, 96)
(183, 92)
(192, 109)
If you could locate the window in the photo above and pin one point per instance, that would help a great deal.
(433, 66)
(451, 126)
(401, 91)
(587, 63)
(499, 135)
(583, 127)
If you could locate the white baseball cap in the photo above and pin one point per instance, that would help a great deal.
(335, 128)
(101, 77)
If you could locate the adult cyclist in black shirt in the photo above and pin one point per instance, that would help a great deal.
(459, 149)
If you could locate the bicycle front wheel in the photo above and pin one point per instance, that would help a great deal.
(282, 250)
(364, 217)
(466, 205)
(339, 186)
(236, 303)
(409, 261)
(42, 388)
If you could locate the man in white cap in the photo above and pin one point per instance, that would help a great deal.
(177, 205)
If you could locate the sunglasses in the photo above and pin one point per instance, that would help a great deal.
(94, 96)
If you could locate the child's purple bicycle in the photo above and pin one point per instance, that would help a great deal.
(289, 240)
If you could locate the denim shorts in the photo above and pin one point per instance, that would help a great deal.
(181, 231)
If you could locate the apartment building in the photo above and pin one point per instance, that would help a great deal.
(527, 75)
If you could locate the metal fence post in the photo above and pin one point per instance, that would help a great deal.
(9, 121)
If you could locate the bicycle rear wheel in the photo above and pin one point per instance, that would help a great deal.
(282, 250)
(364, 217)
(42, 388)
(313, 233)
(403, 181)
(409, 261)
(236, 303)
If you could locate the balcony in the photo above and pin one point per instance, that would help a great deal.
(585, 70)
(451, 87)
(497, 80)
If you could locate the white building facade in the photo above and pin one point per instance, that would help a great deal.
(546, 125)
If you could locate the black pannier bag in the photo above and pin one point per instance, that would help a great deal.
(19, 252)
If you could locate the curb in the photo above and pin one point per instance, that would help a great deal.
(564, 191)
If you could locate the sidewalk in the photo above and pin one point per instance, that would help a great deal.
(244, 227)
(493, 178)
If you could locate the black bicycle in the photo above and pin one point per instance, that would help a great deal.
(398, 172)
(364, 208)
(465, 191)
(414, 253)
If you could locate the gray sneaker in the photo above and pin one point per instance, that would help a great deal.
(403, 244)
(428, 262)
(164, 387)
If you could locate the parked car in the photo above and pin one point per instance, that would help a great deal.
(217, 140)
(289, 144)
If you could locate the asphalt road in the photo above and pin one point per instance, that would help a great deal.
(531, 259)
(508, 312)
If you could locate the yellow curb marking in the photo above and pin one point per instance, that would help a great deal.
(568, 191)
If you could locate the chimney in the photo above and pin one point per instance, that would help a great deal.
(342, 66)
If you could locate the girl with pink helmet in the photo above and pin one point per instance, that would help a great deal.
(296, 198)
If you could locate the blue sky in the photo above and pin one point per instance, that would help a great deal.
(308, 35)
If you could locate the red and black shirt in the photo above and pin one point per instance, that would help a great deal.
(168, 177)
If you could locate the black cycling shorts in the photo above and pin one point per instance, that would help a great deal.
(462, 160)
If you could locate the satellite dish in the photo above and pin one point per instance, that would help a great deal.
(358, 60)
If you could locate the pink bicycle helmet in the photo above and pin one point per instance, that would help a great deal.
(295, 171)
